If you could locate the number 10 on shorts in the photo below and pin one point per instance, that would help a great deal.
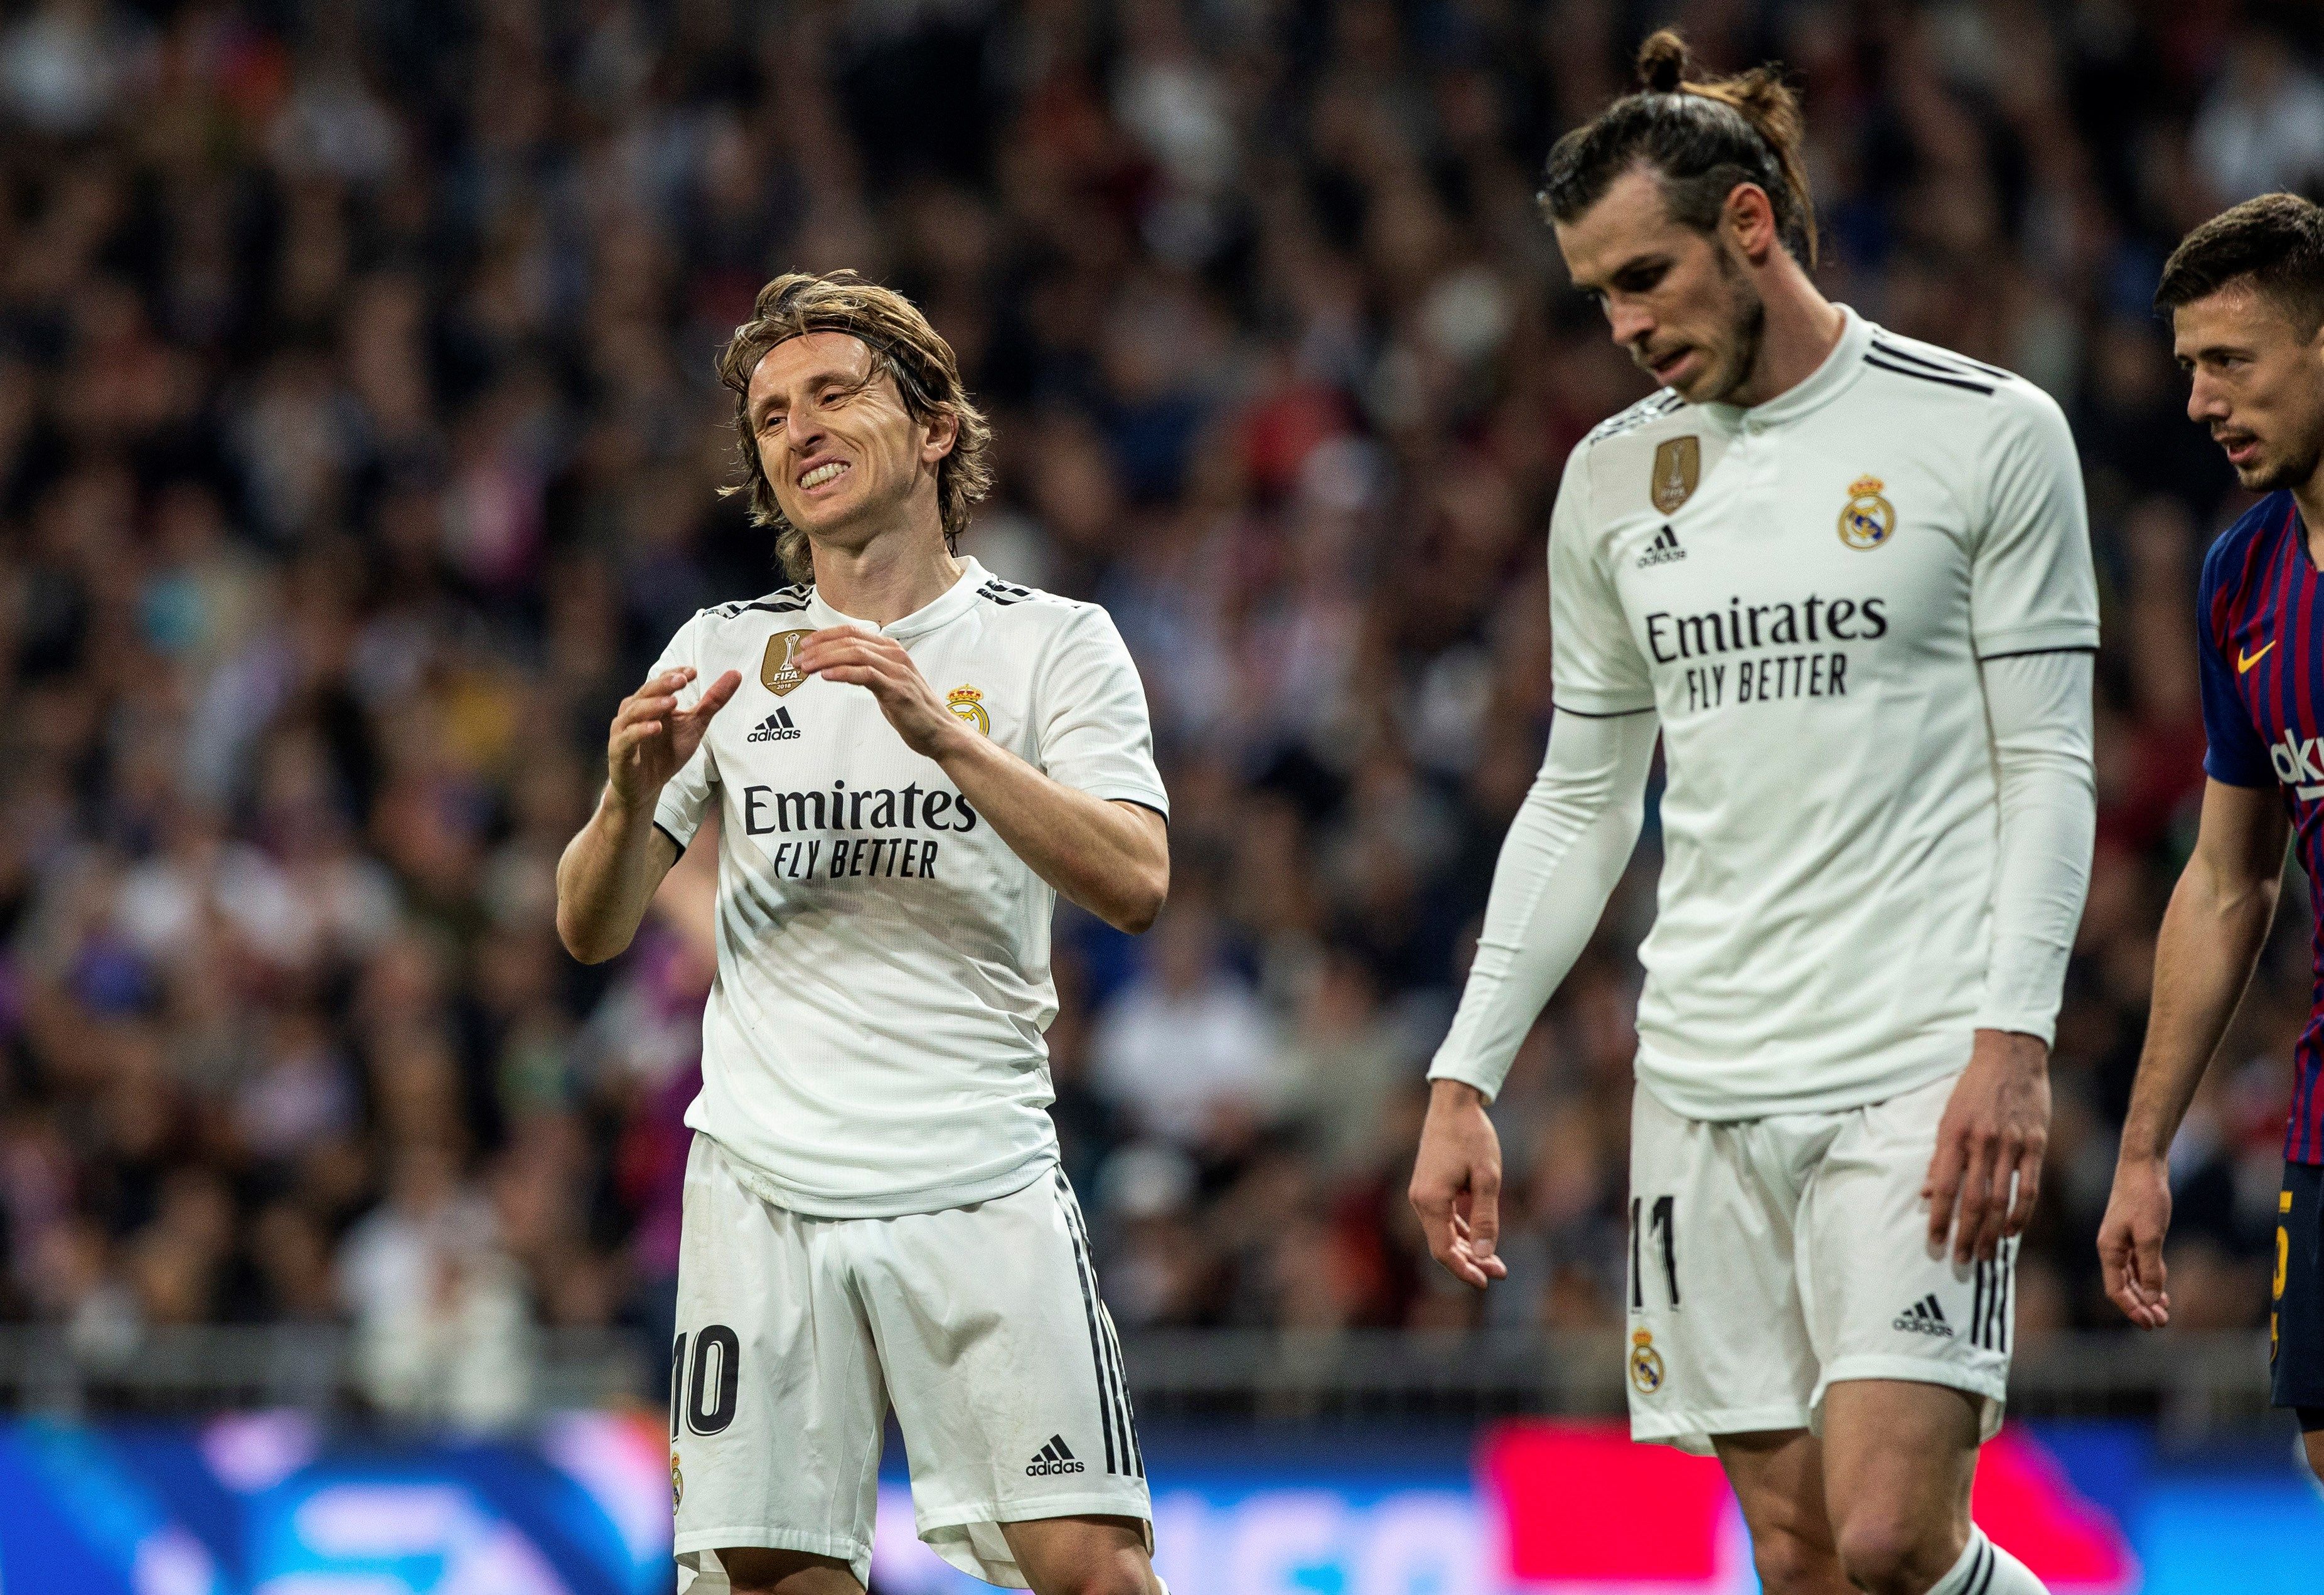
(1661, 1220)
(702, 1390)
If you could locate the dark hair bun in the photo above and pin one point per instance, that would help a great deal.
(1663, 62)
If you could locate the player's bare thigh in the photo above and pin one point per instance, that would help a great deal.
(1880, 1502)
(757, 1572)
(1058, 1555)
(1899, 1460)
(1778, 1481)
(1083, 1556)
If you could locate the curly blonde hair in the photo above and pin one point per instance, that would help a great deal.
(909, 351)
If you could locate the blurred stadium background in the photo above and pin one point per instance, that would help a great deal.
(357, 452)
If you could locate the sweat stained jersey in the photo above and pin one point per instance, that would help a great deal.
(1802, 591)
(872, 1045)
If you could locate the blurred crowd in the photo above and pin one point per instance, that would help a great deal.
(359, 448)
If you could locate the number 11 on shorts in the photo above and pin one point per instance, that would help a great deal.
(1662, 1220)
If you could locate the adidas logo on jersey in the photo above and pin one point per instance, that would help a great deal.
(1924, 1317)
(1664, 549)
(777, 727)
(1052, 1457)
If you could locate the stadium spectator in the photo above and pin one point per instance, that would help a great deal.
(359, 443)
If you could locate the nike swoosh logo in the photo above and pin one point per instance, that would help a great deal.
(2244, 661)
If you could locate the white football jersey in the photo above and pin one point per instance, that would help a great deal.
(1802, 591)
(872, 1045)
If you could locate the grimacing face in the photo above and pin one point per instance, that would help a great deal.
(836, 439)
(1675, 299)
(2256, 382)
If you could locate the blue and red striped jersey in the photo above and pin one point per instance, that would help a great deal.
(2260, 609)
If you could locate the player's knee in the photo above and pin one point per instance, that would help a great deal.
(758, 1572)
(1124, 1574)
(1791, 1564)
(1889, 1553)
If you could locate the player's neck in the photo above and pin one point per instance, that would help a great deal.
(892, 575)
(1801, 331)
(2309, 497)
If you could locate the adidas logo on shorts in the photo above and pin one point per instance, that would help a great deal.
(1052, 1457)
(777, 727)
(1924, 1317)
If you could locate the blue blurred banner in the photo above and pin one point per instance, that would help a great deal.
(273, 1504)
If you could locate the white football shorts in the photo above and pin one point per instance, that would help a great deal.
(1772, 1257)
(982, 1324)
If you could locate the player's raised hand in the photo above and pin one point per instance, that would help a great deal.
(1987, 1172)
(879, 662)
(1456, 1184)
(652, 738)
(2130, 1240)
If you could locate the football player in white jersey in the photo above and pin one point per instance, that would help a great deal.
(1847, 577)
(910, 758)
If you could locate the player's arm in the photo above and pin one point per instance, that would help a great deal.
(1110, 856)
(1563, 855)
(1996, 1126)
(609, 871)
(2211, 942)
(1560, 860)
(2033, 623)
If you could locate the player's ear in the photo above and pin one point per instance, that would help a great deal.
(1748, 218)
(939, 432)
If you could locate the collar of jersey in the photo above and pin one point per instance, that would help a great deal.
(954, 601)
(1826, 382)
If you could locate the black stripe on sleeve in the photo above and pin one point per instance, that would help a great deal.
(674, 841)
(1593, 714)
(1930, 376)
(2027, 653)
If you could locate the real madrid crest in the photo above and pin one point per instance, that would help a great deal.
(1646, 1362)
(776, 673)
(1678, 467)
(677, 1483)
(1866, 519)
(966, 703)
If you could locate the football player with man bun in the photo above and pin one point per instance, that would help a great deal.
(1846, 576)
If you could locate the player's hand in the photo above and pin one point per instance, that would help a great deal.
(1456, 1184)
(879, 662)
(652, 738)
(1995, 1130)
(2130, 1240)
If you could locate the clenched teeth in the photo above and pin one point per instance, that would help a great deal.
(823, 474)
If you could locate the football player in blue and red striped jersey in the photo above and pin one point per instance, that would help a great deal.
(2246, 295)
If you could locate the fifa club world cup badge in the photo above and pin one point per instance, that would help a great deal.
(677, 1483)
(1678, 466)
(1866, 519)
(1646, 1362)
(777, 671)
(966, 704)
